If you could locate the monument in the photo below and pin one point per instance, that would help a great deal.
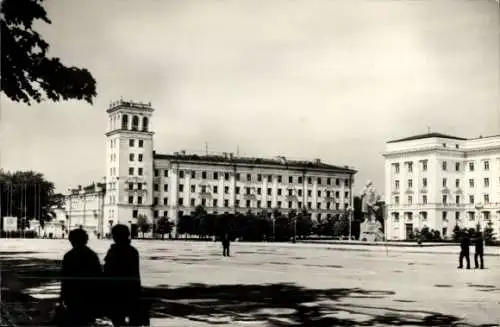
(370, 228)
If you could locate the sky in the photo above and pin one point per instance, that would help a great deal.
(329, 79)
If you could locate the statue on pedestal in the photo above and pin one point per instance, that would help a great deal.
(371, 229)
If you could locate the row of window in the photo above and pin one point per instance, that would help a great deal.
(486, 199)
(444, 166)
(251, 177)
(444, 215)
(135, 123)
(486, 182)
(131, 143)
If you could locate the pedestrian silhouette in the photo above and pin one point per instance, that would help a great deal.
(123, 289)
(479, 251)
(464, 250)
(225, 245)
(80, 277)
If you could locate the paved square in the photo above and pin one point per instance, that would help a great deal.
(262, 284)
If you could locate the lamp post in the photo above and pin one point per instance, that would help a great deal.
(349, 216)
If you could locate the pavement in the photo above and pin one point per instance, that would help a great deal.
(267, 284)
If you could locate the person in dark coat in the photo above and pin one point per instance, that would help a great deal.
(80, 281)
(464, 251)
(479, 251)
(225, 245)
(122, 275)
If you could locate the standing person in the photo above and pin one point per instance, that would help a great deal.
(122, 275)
(464, 250)
(225, 245)
(80, 277)
(479, 250)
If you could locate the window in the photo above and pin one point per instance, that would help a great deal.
(181, 174)
(457, 183)
(337, 194)
(249, 177)
(396, 200)
(424, 166)
(181, 201)
(125, 122)
(471, 182)
(444, 215)
(237, 203)
(216, 175)
(139, 200)
(346, 194)
(214, 202)
(299, 192)
(135, 213)
(309, 193)
(193, 174)
(486, 182)
(131, 157)
(131, 171)
(181, 187)
(457, 199)
(193, 188)
(309, 205)
(424, 199)
(156, 187)
(130, 186)
(444, 182)
(445, 199)
(226, 189)
(248, 190)
(140, 171)
(457, 166)
(131, 142)
(410, 183)
(457, 215)
(424, 182)
(410, 199)
(226, 176)
(259, 177)
(156, 172)
(290, 179)
(290, 192)
(155, 201)
(346, 183)
(130, 199)
(237, 176)
(471, 199)
(396, 184)
(410, 167)
(299, 179)
(204, 202)
(279, 179)
(193, 202)
(269, 178)
(471, 166)
(203, 175)
(141, 143)
(309, 180)
(328, 205)
(299, 205)
(165, 187)
(165, 201)
(269, 204)
(226, 203)
(471, 215)
(319, 180)
(279, 191)
(248, 203)
(140, 157)
(396, 168)
(259, 191)
(165, 173)
(486, 198)
(258, 203)
(268, 191)
(444, 165)
(215, 189)
(135, 123)
(318, 205)
(237, 190)
(139, 186)
(486, 165)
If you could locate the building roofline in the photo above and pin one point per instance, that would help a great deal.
(255, 161)
(426, 136)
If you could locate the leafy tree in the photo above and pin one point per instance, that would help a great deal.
(143, 224)
(26, 194)
(456, 233)
(341, 225)
(489, 233)
(198, 216)
(185, 225)
(27, 72)
(164, 226)
(304, 224)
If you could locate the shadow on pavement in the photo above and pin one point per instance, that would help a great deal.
(271, 304)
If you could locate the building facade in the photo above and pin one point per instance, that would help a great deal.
(142, 182)
(441, 181)
(84, 207)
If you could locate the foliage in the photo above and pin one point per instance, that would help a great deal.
(304, 224)
(27, 72)
(425, 235)
(489, 233)
(26, 194)
(164, 226)
(143, 224)
(456, 233)
(18, 234)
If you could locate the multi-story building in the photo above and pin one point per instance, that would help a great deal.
(441, 181)
(142, 182)
(84, 206)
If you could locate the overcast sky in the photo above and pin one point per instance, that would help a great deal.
(333, 79)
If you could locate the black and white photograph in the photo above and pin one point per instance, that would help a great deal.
(263, 163)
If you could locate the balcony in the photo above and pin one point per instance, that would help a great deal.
(205, 194)
(409, 191)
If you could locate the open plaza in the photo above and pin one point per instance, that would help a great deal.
(269, 284)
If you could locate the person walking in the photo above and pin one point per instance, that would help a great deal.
(464, 251)
(479, 250)
(225, 245)
(80, 281)
(122, 276)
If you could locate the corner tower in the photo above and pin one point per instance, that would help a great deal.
(129, 164)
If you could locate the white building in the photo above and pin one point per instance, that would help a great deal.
(440, 181)
(84, 207)
(142, 182)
